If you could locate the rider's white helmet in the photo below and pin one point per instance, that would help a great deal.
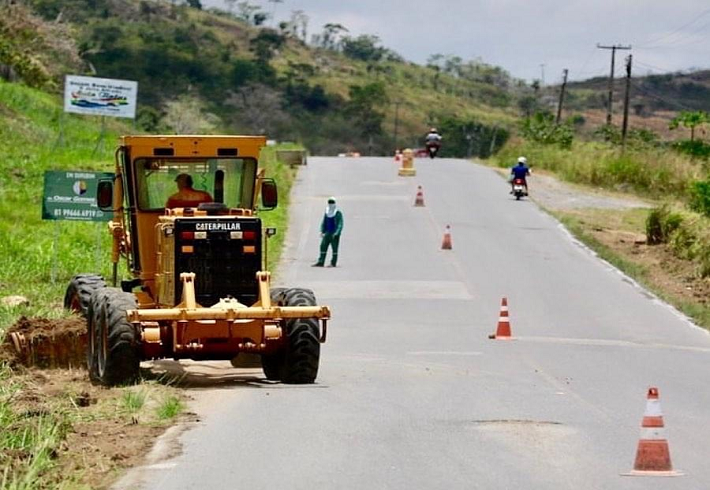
(522, 160)
(433, 130)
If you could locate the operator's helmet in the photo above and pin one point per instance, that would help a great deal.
(433, 130)
(522, 160)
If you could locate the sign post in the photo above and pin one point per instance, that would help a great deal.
(71, 195)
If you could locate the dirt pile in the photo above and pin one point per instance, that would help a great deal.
(45, 343)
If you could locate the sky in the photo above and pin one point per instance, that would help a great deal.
(528, 38)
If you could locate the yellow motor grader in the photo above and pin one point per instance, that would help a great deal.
(185, 219)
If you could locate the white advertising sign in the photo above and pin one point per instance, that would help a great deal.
(100, 96)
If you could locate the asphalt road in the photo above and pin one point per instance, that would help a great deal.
(412, 394)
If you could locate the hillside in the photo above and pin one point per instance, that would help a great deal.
(654, 99)
(333, 93)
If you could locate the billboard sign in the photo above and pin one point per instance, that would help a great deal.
(100, 96)
(71, 195)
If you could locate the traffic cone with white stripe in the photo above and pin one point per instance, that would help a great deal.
(419, 199)
(653, 456)
(503, 330)
(397, 157)
(446, 243)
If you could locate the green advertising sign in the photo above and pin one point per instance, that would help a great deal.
(71, 195)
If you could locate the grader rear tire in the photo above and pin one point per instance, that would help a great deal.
(77, 297)
(302, 353)
(118, 346)
(271, 363)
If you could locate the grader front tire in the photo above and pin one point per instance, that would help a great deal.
(118, 350)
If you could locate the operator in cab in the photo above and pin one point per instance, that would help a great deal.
(186, 196)
(520, 171)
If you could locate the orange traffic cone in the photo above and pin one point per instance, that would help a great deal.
(419, 200)
(446, 244)
(503, 330)
(653, 457)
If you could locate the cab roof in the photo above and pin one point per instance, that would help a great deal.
(193, 145)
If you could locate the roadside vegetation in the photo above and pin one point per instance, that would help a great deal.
(42, 422)
(58, 431)
(672, 257)
(249, 74)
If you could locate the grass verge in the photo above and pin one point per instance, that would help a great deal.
(61, 432)
(618, 236)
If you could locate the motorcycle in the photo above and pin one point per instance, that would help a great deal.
(519, 189)
(432, 149)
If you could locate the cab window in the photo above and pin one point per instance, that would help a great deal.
(227, 180)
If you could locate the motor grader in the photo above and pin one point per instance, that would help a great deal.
(198, 288)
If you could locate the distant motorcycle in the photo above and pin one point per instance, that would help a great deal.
(432, 149)
(519, 189)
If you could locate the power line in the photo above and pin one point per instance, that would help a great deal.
(647, 91)
(688, 24)
(685, 39)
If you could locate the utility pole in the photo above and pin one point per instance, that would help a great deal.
(542, 72)
(562, 96)
(611, 76)
(626, 101)
(396, 123)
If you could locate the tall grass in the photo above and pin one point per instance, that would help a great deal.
(36, 136)
(651, 172)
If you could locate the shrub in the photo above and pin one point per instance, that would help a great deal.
(541, 128)
(661, 223)
(694, 148)
(700, 197)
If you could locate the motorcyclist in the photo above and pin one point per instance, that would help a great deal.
(433, 137)
(520, 171)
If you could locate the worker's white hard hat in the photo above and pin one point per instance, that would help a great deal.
(522, 160)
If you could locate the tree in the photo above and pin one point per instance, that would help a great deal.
(265, 44)
(331, 32)
(364, 48)
(257, 109)
(273, 7)
(195, 4)
(184, 115)
(363, 107)
(298, 25)
(690, 120)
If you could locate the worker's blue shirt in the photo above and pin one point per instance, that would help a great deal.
(520, 171)
(329, 225)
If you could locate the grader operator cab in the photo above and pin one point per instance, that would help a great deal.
(185, 219)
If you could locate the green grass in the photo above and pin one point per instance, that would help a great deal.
(133, 400)
(277, 218)
(699, 312)
(32, 249)
(33, 436)
(650, 172)
(170, 407)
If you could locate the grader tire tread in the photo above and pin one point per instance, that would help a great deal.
(80, 289)
(271, 363)
(96, 304)
(122, 363)
(302, 355)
